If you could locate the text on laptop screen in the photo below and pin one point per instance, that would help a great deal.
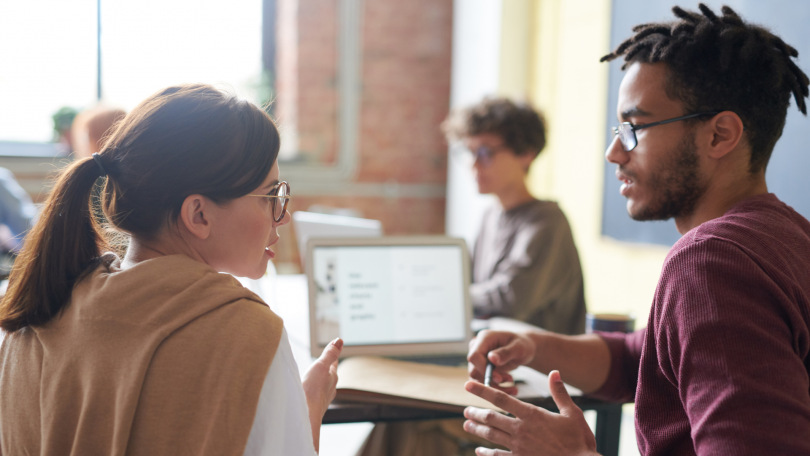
(370, 295)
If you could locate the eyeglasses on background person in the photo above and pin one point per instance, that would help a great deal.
(280, 195)
(482, 154)
(627, 131)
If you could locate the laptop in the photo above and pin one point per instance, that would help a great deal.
(402, 297)
(309, 225)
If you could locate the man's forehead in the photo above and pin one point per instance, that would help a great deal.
(642, 92)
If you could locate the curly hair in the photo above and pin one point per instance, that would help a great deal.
(724, 63)
(522, 128)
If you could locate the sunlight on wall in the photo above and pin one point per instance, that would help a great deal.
(559, 63)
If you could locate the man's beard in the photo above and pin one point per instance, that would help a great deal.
(676, 184)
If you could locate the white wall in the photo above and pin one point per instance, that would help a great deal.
(476, 65)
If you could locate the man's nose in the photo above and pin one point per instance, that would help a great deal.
(615, 152)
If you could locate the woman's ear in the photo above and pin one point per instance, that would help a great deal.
(194, 216)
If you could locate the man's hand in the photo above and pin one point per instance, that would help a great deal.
(319, 386)
(533, 431)
(505, 350)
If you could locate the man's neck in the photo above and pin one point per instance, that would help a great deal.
(719, 198)
(513, 197)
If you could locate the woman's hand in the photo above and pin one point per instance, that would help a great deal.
(319, 386)
(532, 431)
(506, 351)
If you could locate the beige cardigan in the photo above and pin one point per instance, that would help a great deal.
(165, 358)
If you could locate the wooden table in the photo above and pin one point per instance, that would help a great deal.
(608, 417)
(290, 302)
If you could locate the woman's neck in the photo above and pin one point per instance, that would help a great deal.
(140, 250)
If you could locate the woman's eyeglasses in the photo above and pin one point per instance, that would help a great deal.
(280, 196)
(627, 131)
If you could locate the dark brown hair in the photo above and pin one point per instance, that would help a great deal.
(183, 140)
(521, 127)
(724, 63)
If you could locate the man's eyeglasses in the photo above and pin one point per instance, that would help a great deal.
(280, 196)
(627, 131)
(483, 154)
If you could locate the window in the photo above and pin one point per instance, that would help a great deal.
(49, 51)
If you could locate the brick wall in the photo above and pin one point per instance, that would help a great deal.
(405, 75)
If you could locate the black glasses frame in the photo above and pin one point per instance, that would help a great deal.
(282, 196)
(626, 131)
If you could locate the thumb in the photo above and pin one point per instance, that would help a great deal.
(332, 351)
(560, 395)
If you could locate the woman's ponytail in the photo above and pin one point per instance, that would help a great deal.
(59, 249)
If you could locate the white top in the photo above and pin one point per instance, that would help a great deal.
(281, 425)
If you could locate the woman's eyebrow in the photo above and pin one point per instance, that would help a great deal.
(271, 185)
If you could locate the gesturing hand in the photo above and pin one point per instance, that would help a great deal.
(319, 385)
(532, 431)
(505, 350)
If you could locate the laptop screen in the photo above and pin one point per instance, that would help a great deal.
(389, 294)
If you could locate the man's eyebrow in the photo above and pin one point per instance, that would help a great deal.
(635, 111)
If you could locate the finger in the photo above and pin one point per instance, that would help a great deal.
(498, 398)
(502, 377)
(481, 451)
(484, 345)
(485, 432)
(491, 418)
(332, 351)
(560, 395)
(509, 353)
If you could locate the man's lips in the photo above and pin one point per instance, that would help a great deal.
(627, 182)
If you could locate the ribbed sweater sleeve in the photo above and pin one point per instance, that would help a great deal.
(731, 340)
(625, 356)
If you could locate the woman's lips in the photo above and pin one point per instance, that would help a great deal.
(268, 251)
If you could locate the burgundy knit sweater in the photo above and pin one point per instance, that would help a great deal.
(722, 367)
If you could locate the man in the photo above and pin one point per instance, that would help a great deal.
(525, 263)
(722, 367)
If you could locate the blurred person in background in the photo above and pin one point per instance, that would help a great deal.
(89, 132)
(17, 212)
(91, 127)
(525, 264)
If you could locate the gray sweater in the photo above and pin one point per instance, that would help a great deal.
(526, 267)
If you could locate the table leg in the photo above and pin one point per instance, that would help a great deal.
(608, 428)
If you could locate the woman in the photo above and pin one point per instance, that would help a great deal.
(158, 353)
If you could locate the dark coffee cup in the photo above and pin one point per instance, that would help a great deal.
(609, 323)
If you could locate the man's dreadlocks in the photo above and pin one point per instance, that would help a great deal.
(723, 63)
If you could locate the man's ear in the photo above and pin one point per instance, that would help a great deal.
(194, 216)
(727, 132)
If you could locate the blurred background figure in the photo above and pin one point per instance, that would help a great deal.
(16, 215)
(91, 127)
(89, 132)
(525, 264)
